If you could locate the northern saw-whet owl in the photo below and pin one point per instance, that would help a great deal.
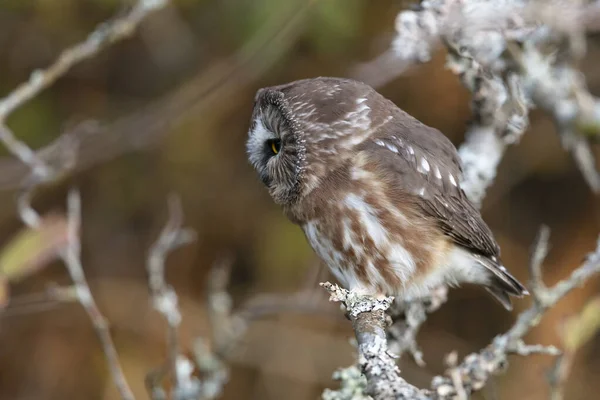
(376, 192)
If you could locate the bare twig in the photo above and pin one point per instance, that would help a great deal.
(105, 35)
(72, 259)
(102, 142)
(52, 297)
(476, 368)
(165, 299)
(408, 316)
(41, 171)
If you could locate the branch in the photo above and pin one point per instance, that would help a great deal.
(477, 368)
(408, 315)
(165, 300)
(376, 363)
(378, 366)
(42, 171)
(95, 143)
(105, 35)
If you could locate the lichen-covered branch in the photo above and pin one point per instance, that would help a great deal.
(379, 367)
(476, 368)
(165, 301)
(376, 362)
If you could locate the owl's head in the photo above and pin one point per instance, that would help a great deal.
(304, 130)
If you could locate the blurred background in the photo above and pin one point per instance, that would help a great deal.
(175, 101)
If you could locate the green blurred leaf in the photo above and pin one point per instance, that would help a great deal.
(579, 329)
(32, 249)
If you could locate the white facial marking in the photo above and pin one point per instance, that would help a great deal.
(256, 141)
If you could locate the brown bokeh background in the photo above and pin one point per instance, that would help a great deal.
(186, 80)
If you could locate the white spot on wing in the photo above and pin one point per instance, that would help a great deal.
(452, 180)
(424, 166)
(391, 147)
(437, 172)
(379, 142)
(411, 150)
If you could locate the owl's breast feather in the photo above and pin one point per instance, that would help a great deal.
(369, 248)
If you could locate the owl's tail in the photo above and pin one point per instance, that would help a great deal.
(502, 284)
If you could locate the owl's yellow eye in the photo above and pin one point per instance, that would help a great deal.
(274, 145)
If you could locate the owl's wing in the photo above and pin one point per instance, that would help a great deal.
(423, 164)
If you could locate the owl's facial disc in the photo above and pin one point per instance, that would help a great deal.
(270, 151)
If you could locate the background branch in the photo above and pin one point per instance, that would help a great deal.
(41, 171)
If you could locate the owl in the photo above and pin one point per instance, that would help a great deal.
(376, 192)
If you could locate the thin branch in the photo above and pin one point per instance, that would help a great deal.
(42, 171)
(100, 142)
(72, 259)
(105, 35)
(476, 368)
(165, 301)
(408, 316)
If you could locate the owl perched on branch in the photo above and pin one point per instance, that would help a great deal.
(376, 192)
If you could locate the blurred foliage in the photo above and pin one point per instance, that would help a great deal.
(32, 248)
(581, 328)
